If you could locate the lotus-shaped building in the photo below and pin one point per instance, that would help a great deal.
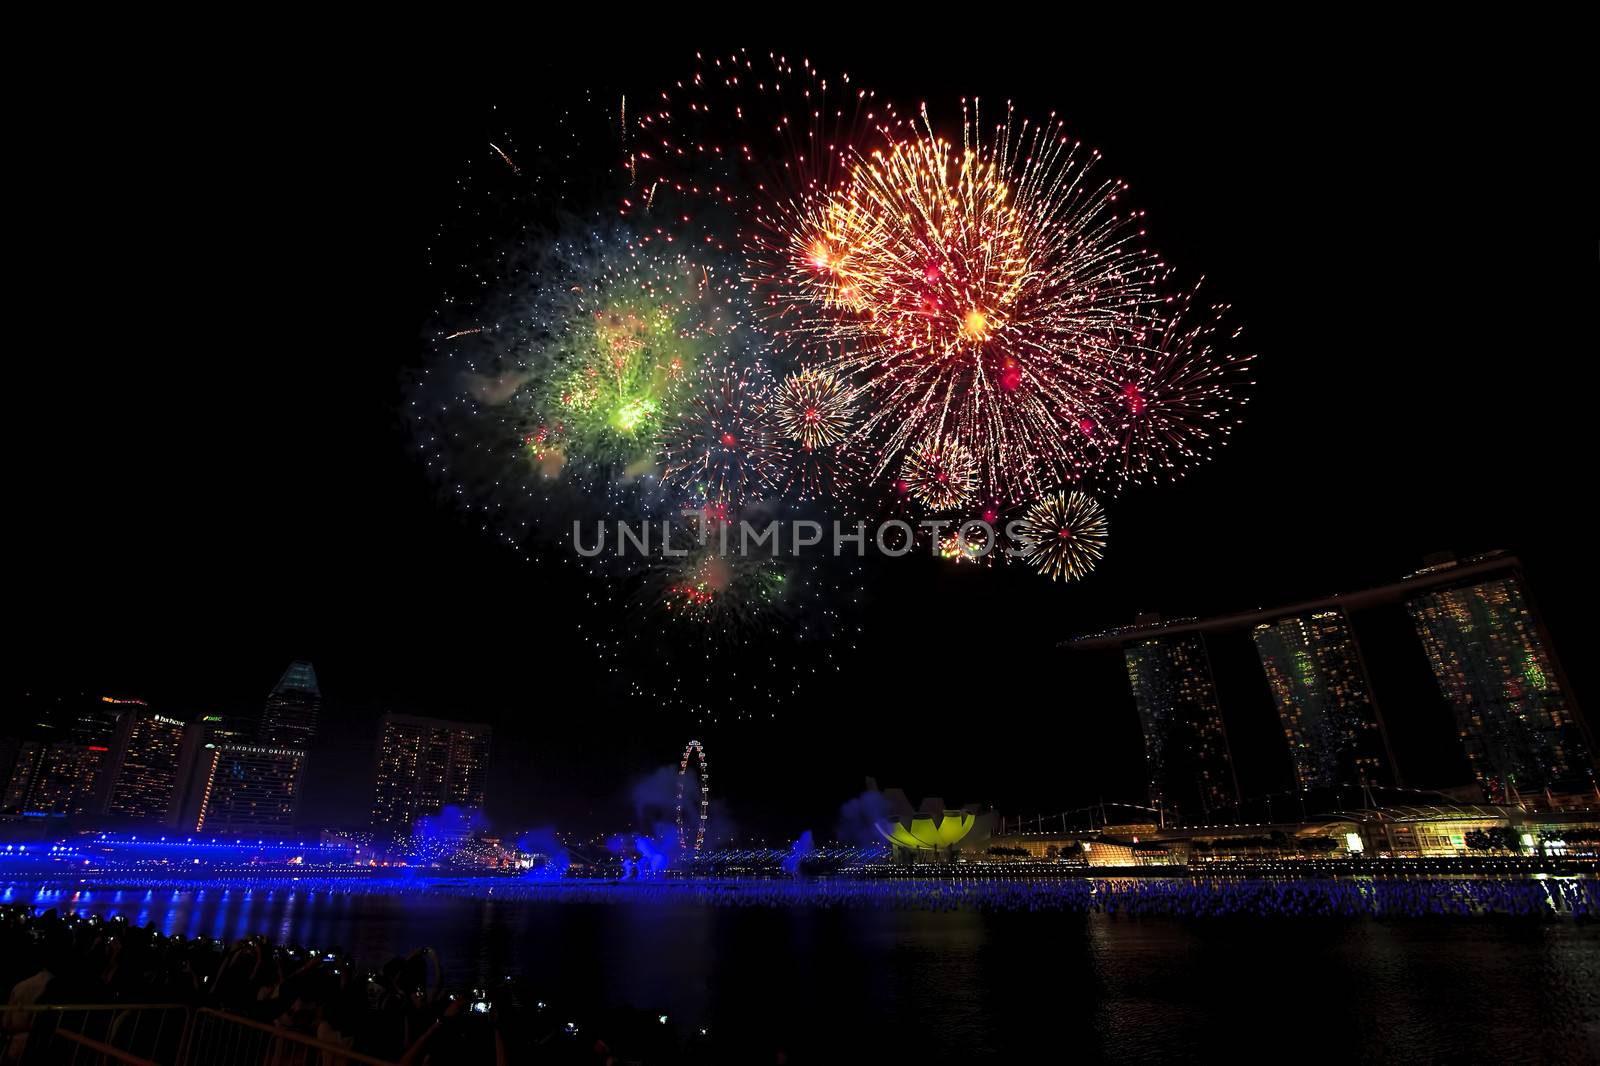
(930, 831)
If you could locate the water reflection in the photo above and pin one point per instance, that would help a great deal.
(956, 985)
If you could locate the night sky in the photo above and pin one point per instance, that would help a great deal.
(213, 477)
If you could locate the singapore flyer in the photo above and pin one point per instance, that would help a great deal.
(695, 798)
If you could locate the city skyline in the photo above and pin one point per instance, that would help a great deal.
(239, 774)
(317, 534)
(1148, 450)
(1475, 625)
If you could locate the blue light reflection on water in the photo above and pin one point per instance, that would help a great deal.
(1004, 976)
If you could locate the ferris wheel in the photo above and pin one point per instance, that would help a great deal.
(697, 752)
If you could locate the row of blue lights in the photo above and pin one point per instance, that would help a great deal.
(191, 842)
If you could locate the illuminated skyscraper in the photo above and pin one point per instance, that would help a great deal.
(1521, 731)
(67, 780)
(201, 738)
(61, 768)
(425, 764)
(1315, 671)
(24, 768)
(11, 750)
(144, 765)
(249, 786)
(254, 781)
(290, 717)
(1185, 744)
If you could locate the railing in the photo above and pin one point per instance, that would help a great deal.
(215, 1036)
(132, 1034)
(98, 1054)
(157, 1034)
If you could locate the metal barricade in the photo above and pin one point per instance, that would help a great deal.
(91, 1052)
(218, 1037)
(130, 1034)
(157, 1034)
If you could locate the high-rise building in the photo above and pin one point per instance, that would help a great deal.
(24, 768)
(1517, 721)
(1522, 732)
(1185, 744)
(425, 764)
(10, 751)
(249, 786)
(95, 723)
(289, 719)
(60, 768)
(240, 774)
(80, 718)
(200, 740)
(68, 780)
(144, 765)
(1314, 669)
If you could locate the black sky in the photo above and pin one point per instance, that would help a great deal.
(212, 476)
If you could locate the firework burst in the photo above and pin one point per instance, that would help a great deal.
(940, 475)
(957, 320)
(813, 407)
(830, 474)
(570, 359)
(977, 291)
(758, 134)
(721, 629)
(1064, 535)
(730, 593)
(970, 546)
(621, 360)
(558, 384)
(621, 373)
(1181, 398)
(720, 449)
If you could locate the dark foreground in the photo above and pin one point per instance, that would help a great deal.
(961, 984)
